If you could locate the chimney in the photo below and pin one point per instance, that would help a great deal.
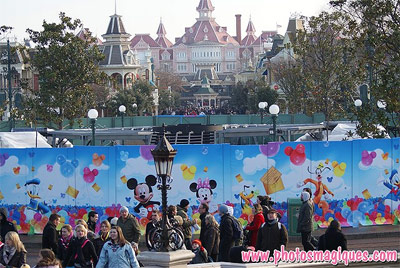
(239, 28)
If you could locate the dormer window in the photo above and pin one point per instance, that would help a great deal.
(191, 30)
(205, 29)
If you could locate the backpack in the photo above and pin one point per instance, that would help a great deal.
(237, 229)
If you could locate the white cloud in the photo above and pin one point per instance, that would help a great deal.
(102, 167)
(180, 186)
(12, 162)
(378, 162)
(135, 166)
(253, 164)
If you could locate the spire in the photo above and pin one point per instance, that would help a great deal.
(115, 7)
(115, 26)
(162, 39)
(250, 27)
(161, 29)
(205, 9)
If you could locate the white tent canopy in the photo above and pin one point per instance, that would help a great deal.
(23, 140)
(339, 133)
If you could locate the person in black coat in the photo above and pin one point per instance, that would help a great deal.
(5, 225)
(226, 234)
(333, 238)
(12, 253)
(64, 242)
(203, 210)
(50, 237)
(211, 237)
(272, 234)
(104, 236)
(81, 250)
(93, 217)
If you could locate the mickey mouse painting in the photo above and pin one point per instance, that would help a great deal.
(203, 190)
(144, 193)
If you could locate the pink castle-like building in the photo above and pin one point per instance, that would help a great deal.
(203, 45)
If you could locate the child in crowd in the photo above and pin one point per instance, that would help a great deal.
(200, 252)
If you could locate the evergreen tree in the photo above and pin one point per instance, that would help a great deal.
(67, 66)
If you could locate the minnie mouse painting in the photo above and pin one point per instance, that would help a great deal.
(144, 193)
(203, 190)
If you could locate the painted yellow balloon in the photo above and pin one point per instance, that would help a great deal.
(339, 169)
(188, 173)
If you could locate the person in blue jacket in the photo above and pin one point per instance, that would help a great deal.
(117, 252)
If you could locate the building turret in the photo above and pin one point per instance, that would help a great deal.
(205, 9)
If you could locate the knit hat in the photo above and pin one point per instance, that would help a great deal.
(198, 242)
(184, 203)
(114, 221)
(223, 209)
(305, 196)
(123, 208)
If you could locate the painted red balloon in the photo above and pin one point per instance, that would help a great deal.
(297, 156)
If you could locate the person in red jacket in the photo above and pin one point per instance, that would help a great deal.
(255, 225)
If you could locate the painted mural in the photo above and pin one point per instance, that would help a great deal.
(355, 182)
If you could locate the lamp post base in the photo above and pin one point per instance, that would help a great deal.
(178, 259)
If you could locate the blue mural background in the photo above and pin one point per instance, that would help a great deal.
(355, 182)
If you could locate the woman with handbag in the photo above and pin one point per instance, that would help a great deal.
(117, 252)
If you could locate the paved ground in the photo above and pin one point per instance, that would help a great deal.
(363, 238)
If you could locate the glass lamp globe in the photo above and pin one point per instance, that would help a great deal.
(93, 114)
(122, 108)
(358, 103)
(274, 109)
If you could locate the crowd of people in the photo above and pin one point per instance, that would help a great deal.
(116, 244)
(195, 111)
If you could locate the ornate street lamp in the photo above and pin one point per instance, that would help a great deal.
(122, 110)
(262, 105)
(166, 238)
(274, 111)
(93, 114)
(134, 106)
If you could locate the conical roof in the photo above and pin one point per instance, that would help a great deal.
(205, 5)
(115, 26)
(250, 27)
